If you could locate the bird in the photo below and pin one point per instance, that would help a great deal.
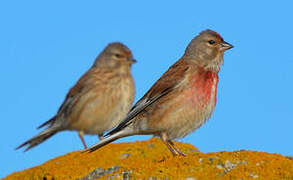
(99, 100)
(181, 100)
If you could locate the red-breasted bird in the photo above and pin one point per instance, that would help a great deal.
(99, 100)
(182, 99)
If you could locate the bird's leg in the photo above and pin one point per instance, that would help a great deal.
(176, 149)
(165, 141)
(80, 134)
(101, 137)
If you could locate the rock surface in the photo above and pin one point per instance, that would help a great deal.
(151, 160)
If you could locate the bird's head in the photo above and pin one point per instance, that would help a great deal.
(208, 48)
(114, 55)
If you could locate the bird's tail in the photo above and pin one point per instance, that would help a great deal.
(41, 137)
(49, 122)
(123, 133)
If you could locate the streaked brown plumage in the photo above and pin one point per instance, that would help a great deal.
(98, 101)
(182, 99)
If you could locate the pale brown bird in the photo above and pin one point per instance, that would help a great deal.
(98, 101)
(182, 99)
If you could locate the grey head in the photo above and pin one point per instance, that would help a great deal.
(114, 55)
(208, 48)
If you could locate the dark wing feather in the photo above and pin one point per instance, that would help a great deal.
(49, 122)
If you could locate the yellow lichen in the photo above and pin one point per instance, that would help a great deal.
(151, 158)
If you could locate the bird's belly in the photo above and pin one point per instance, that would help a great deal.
(96, 119)
(189, 121)
(100, 124)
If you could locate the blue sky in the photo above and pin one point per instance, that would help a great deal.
(47, 46)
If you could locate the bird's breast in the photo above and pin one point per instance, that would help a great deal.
(203, 89)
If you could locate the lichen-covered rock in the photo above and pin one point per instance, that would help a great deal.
(151, 160)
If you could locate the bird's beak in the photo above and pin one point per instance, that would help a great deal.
(132, 61)
(226, 46)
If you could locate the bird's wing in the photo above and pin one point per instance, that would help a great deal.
(168, 81)
(71, 98)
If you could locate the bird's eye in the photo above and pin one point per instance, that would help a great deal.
(118, 55)
(212, 42)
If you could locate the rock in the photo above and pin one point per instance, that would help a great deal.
(190, 178)
(124, 155)
(151, 160)
(99, 172)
